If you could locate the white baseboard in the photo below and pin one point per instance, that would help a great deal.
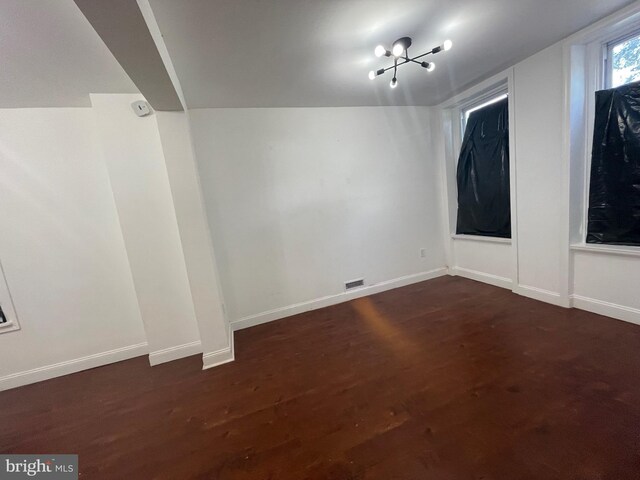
(175, 353)
(278, 313)
(620, 312)
(72, 366)
(542, 295)
(220, 357)
(536, 293)
(502, 282)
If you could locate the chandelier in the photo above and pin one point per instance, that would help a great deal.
(400, 53)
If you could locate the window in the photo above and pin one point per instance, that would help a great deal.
(484, 203)
(614, 196)
(467, 113)
(604, 61)
(8, 319)
(623, 61)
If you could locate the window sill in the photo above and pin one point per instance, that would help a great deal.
(606, 249)
(478, 238)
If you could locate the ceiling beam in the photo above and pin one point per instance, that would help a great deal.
(123, 29)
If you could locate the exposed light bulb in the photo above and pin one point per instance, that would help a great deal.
(429, 66)
(398, 49)
(372, 75)
(394, 82)
(447, 45)
(380, 51)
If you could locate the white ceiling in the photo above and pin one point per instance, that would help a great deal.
(50, 56)
(291, 53)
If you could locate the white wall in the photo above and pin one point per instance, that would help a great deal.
(538, 189)
(531, 265)
(199, 257)
(105, 242)
(302, 200)
(132, 151)
(599, 281)
(62, 249)
(539, 105)
(550, 165)
(607, 278)
(483, 261)
(603, 278)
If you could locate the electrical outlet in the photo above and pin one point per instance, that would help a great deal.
(423, 253)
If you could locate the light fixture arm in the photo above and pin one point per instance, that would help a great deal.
(405, 61)
(401, 57)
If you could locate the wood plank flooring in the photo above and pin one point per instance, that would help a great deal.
(446, 379)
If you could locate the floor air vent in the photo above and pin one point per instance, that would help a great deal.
(354, 284)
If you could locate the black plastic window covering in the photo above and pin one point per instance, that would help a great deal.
(484, 203)
(614, 194)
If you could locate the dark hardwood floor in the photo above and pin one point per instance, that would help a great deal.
(446, 379)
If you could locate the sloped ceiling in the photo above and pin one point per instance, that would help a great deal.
(51, 57)
(311, 53)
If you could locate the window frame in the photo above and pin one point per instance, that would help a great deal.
(458, 110)
(479, 104)
(583, 70)
(449, 125)
(607, 55)
(8, 308)
(472, 103)
(598, 78)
